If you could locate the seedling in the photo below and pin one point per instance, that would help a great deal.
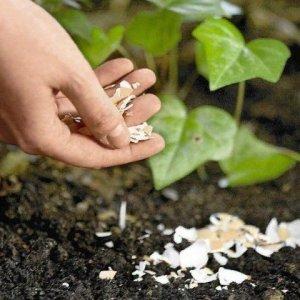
(223, 57)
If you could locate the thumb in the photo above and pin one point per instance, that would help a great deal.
(95, 108)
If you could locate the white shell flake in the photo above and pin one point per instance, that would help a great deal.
(227, 276)
(163, 279)
(185, 233)
(103, 234)
(203, 275)
(107, 274)
(140, 132)
(122, 215)
(109, 244)
(222, 260)
(194, 256)
(171, 256)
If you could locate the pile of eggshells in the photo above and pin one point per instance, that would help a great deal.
(226, 237)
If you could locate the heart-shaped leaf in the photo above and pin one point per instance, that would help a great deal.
(231, 60)
(196, 10)
(192, 138)
(200, 58)
(75, 22)
(254, 161)
(156, 32)
(101, 45)
(192, 9)
(94, 43)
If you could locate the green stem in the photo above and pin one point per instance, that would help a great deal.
(150, 61)
(239, 102)
(119, 6)
(186, 88)
(201, 171)
(173, 70)
(123, 51)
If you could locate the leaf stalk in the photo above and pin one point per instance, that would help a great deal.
(239, 102)
(173, 70)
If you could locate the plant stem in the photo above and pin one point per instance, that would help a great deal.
(151, 64)
(150, 61)
(119, 5)
(201, 171)
(239, 102)
(123, 51)
(186, 88)
(173, 70)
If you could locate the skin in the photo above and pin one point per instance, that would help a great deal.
(43, 75)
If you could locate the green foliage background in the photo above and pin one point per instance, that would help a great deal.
(221, 55)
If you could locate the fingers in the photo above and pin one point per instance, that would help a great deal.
(109, 72)
(65, 106)
(145, 77)
(83, 151)
(144, 107)
(98, 113)
(113, 70)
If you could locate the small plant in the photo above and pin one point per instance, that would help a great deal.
(222, 56)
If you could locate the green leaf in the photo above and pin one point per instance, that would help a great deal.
(253, 161)
(101, 45)
(231, 60)
(206, 133)
(192, 9)
(51, 5)
(75, 22)
(156, 32)
(14, 163)
(201, 62)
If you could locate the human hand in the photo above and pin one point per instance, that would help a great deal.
(38, 64)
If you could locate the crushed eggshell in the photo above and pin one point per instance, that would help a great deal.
(65, 284)
(107, 274)
(203, 275)
(109, 244)
(126, 104)
(227, 276)
(194, 256)
(240, 249)
(163, 279)
(122, 215)
(140, 132)
(181, 233)
(171, 194)
(140, 270)
(226, 236)
(222, 260)
(122, 98)
(172, 257)
(167, 231)
(103, 234)
(123, 90)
